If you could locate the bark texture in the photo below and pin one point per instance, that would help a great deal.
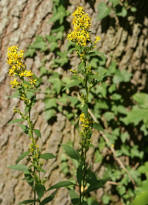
(20, 22)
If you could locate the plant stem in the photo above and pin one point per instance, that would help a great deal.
(83, 147)
(33, 142)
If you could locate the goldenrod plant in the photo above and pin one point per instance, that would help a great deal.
(25, 83)
(85, 181)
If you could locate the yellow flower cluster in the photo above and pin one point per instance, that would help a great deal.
(15, 60)
(26, 73)
(85, 121)
(14, 83)
(81, 19)
(17, 67)
(34, 150)
(81, 24)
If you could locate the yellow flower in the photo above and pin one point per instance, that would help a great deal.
(33, 81)
(84, 121)
(14, 83)
(17, 66)
(81, 19)
(81, 24)
(81, 37)
(15, 60)
(97, 39)
(26, 73)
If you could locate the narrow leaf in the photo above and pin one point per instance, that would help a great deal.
(48, 199)
(16, 120)
(20, 167)
(24, 128)
(61, 184)
(79, 175)
(71, 152)
(27, 201)
(40, 189)
(47, 156)
(22, 156)
(74, 197)
(37, 132)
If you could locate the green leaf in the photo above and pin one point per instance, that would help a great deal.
(71, 152)
(98, 157)
(30, 94)
(97, 126)
(101, 73)
(30, 52)
(56, 83)
(121, 76)
(135, 152)
(109, 116)
(133, 9)
(72, 83)
(16, 94)
(122, 13)
(79, 174)
(24, 128)
(20, 167)
(136, 115)
(40, 189)
(121, 189)
(141, 198)
(22, 156)
(74, 197)
(96, 185)
(49, 103)
(103, 10)
(60, 14)
(115, 2)
(29, 178)
(16, 120)
(49, 114)
(74, 100)
(27, 201)
(124, 137)
(142, 99)
(61, 184)
(37, 132)
(39, 44)
(43, 70)
(105, 199)
(47, 156)
(48, 199)
(53, 46)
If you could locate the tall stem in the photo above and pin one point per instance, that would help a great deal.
(33, 142)
(84, 148)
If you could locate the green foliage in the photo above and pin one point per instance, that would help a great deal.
(103, 10)
(20, 167)
(115, 8)
(71, 152)
(22, 156)
(138, 113)
(28, 201)
(48, 199)
(61, 184)
(74, 197)
(47, 156)
(142, 190)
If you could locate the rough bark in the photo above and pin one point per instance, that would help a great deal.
(20, 22)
